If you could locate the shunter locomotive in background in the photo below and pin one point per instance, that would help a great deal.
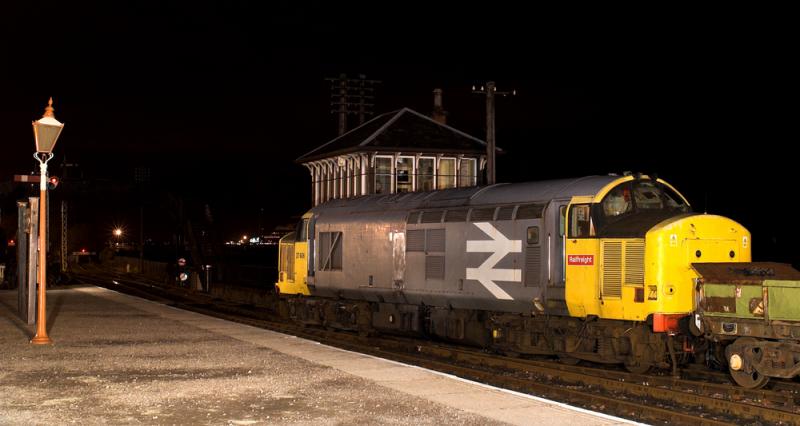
(599, 268)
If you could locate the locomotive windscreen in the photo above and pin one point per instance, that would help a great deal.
(632, 208)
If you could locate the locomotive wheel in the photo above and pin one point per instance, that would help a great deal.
(637, 366)
(568, 360)
(740, 364)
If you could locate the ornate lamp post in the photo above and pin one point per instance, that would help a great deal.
(46, 131)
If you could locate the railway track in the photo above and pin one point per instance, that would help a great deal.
(698, 397)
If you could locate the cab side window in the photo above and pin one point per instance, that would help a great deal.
(300, 230)
(580, 222)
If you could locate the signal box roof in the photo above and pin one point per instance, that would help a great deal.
(400, 131)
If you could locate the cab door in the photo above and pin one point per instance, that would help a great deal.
(555, 224)
(583, 260)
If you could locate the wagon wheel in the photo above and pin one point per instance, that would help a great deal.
(637, 365)
(745, 376)
(751, 380)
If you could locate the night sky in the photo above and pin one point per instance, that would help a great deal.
(218, 99)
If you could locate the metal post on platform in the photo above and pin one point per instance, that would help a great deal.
(33, 246)
(45, 131)
(22, 259)
(64, 237)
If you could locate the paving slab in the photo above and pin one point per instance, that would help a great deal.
(118, 359)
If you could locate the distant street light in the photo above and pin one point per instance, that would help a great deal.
(117, 234)
(45, 131)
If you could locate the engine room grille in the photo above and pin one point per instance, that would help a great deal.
(480, 215)
(287, 260)
(612, 269)
(533, 266)
(415, 240)
(634, 263)
(456, 215)
(435, 240)
(530, 211)
(434, 216)
(505, 212)
(434, 267)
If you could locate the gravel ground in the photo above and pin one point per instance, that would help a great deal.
(114, 364)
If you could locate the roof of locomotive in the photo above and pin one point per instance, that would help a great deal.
(502, 193)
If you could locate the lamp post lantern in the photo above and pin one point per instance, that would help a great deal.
(45, 131)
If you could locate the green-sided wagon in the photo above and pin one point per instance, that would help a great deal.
(753, 310)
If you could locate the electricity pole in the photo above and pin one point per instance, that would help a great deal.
(491, 91)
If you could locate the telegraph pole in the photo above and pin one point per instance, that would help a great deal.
(491, 91)
(352, 96)
(342, 104)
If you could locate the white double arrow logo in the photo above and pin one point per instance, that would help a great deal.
(499, 246)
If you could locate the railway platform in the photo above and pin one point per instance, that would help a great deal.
(118, 359)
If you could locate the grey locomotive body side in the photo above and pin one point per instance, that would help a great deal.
(496, 248)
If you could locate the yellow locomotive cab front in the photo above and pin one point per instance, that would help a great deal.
(630, 248)
(674, 245)
(293, 258)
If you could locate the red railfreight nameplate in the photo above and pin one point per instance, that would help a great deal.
(580, 259)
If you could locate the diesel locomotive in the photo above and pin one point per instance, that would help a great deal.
(598, 268)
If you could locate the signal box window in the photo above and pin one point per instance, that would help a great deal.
(355, 165)
(403, 172)
(425, 174)
(383, 175)
(447, 173)
(467, 175)
(330, 251)
(580, 222)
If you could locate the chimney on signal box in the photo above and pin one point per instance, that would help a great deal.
(439, 114)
